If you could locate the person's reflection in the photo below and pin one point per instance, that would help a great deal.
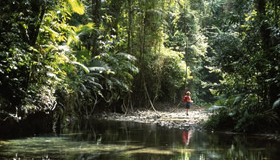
(186, 136)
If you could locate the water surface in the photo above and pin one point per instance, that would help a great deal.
(107, 140)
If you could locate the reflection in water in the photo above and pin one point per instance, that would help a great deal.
(133, 141)
(186, 136)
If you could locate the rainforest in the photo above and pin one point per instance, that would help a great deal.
(62, 60)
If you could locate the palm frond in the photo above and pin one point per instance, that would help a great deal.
(86, 69)
(94, 83)
(128, 75)
(158, 12)
(126, 65)
(98, 63)
(276, 104)
(108, 58)
(95, 74)
(97, 69)
(119, 83)
(127, 56)
(84, 29)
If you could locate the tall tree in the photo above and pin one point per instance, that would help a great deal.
(96, 17)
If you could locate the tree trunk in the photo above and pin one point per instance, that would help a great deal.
(264, 28)
(34, 29)
(96, 6)
(186, 60)
(129, 27)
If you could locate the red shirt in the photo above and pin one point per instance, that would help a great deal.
(187, 98)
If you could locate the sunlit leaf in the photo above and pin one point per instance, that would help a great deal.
(77, 6)
(86, 69)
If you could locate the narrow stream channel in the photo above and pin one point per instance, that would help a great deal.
(108, 140)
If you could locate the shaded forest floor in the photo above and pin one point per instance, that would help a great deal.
(165, 115)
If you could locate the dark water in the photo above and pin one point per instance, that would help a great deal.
(132, 141)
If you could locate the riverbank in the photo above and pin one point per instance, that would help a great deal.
(170, 117)
(175, 118)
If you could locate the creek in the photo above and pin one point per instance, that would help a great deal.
(105, 140)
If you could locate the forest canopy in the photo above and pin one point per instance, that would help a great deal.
(73, 58)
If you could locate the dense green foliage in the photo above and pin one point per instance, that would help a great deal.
(245, 52)
(71, 58)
